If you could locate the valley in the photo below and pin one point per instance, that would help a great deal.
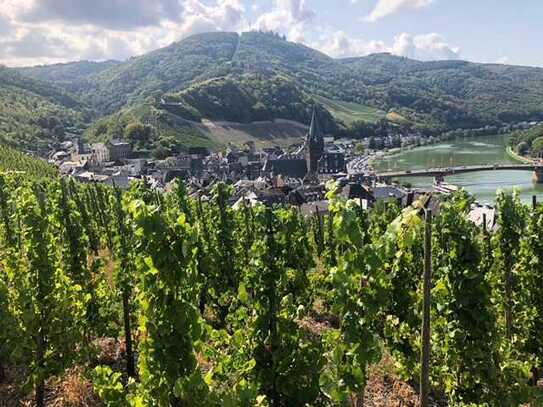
(239, 220)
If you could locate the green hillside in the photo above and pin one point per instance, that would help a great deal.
(33, 114)
(165, 70)
(348, 112)
(177, 120)
(149, 128)
(453, 93)
(247, 98)
(160, 132)
(72, 76)
(261, 76)
(12, 160)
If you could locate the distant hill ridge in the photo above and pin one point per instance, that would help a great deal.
(261, 76)
(35, 114)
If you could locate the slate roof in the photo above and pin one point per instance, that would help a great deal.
(352, 191)
(387, 192)
(291, 167)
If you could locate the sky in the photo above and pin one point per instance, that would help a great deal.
(36, 32)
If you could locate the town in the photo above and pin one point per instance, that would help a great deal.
(296, 175)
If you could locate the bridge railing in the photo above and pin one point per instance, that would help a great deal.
(458, 170)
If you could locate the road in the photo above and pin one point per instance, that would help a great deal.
(358, 164)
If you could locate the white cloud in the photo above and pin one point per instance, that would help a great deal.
(32, 34)
(340, 45)
(31, 44)
(433, 46)
(289, 17)
(111, 14)
(224, 15)
(385, 8)
(54, 35)
(426, 47)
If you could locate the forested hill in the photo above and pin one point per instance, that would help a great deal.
(445, 93)
(72, 76)
(454, 93)
(34, 114)
(432, 96)
(167, 69)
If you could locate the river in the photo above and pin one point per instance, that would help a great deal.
(466, 151)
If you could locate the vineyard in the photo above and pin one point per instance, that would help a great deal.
(14, 160)
(212, 306)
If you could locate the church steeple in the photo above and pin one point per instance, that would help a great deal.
(315, 133)
(314, 148)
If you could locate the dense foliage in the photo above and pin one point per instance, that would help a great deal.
(35, 115)
(150, 130)
(72, 76)
(218, 306)
(171, 125)
(247, 98)
(528, 141)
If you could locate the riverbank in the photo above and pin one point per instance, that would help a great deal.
(517, 157)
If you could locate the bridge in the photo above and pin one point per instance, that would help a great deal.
(440, 173)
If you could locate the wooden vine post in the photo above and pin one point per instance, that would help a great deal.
(427, 285)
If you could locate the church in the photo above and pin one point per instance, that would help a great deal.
(318, 158)
(314, 149)
(321, 159)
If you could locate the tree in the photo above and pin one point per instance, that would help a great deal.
(160, 152)
(137, 132)
(537, 146)
(359, 148)
(523, 148)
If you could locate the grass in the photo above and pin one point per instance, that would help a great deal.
(349, 112)
(512, 154)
